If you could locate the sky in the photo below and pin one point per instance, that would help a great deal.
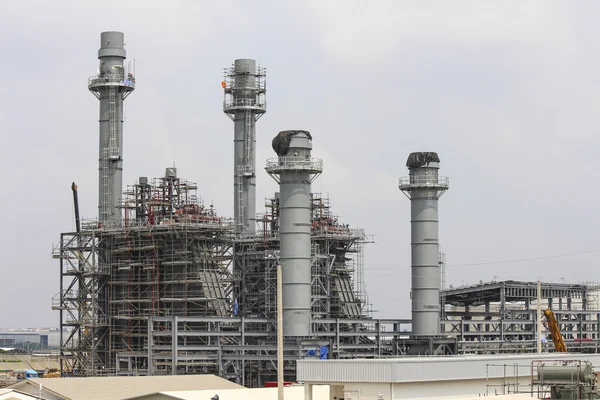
(506, 93)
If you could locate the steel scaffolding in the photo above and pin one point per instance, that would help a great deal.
(170, 258)
(500, 317)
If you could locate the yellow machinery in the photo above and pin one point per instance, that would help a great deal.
(559, 343)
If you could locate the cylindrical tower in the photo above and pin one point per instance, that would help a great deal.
(295, 170)
(424, 187)
(111, 86)
(245, 88)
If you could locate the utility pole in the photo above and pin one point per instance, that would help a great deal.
(539, 316)
(280, 376)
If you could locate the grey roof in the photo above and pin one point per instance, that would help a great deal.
(420, 369)
(121, 387)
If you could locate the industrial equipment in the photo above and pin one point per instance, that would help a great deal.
(559, 343)
(294, 169)
(111, 86)
(244, 88)
(424, 187)
(564, 380)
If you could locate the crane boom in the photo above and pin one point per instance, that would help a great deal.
(559, 343)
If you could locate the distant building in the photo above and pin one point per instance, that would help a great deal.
(11, 394)
(118, 387)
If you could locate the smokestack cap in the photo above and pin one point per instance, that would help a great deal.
(281, 142)
(112, 44)
(421, 159)
(171, 172)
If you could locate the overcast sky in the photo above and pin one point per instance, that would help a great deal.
(506, 92)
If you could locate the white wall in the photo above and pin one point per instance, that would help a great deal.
(396, 391)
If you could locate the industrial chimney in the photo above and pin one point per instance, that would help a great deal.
(424, 187)
(245, 89)
(111, 86)
(294, 169)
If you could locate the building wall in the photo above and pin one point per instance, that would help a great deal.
(396, 391)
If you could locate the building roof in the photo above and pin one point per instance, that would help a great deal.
(294, 392)
(512, 290)
(419, 369)
(11, 394)
(120, 387)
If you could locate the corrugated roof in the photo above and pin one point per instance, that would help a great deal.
(419, 369)
(13, 366)
(295, 392)
(121, 387)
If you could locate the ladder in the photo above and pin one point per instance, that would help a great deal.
(248, 142)
(110, 153)
(112, 122)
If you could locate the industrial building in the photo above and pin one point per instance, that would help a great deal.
(117, 387)
(440, 377)
(162, 284)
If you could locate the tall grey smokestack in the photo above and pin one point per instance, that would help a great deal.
(111, 86)
(295, 170)
(245, 89)
(424, 187)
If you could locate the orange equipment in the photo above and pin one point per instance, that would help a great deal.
(559, 343)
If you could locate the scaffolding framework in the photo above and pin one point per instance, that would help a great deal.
(500, 317)
(170, 258)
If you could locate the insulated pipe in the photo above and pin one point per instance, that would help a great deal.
(424, 187)
(295, 170)
(111, 86)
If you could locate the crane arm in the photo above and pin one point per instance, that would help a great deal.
(559, 343)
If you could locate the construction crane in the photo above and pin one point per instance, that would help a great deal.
(559, 343)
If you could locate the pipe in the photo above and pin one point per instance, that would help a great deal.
(280, 374)
(76, 205)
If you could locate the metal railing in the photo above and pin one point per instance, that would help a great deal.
(110, 80)
(433, 181)
(296, 163)
(241, 103)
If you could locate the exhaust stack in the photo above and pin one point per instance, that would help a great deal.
(111, 86)
(245, 88)
(294, 169)
(424, 187)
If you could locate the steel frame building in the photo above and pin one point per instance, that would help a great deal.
(170, 257)
(500, 317)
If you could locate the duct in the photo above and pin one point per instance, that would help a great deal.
(281, 142)
(420, 159)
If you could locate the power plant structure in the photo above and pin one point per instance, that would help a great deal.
(161, 283)
(111, 86)
(424, 187)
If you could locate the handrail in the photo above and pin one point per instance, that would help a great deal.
(310, 163)
(231, 103)
(103, 79)
(424, 180)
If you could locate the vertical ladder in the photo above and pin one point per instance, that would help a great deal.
(105, 179)
(248, 142)
(112, 122)
(240, 189)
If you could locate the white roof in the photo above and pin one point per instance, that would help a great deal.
(120, 387)
(418, 369)
(10, 394)
(295, 392)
